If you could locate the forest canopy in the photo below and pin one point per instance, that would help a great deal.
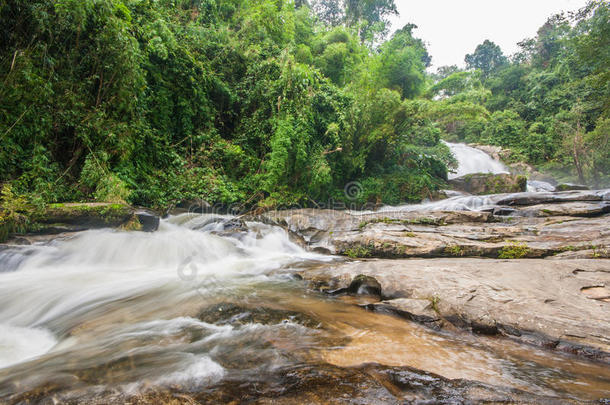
(279, 102)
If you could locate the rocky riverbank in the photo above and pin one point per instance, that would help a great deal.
(529, 266)
(507, 226)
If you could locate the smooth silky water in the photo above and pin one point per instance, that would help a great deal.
(194, 304)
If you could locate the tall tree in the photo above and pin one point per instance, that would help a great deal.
(487, 57)
(371, 15)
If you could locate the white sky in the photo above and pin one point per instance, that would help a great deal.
(453, 28)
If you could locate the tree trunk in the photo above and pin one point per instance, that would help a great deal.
(576, 158)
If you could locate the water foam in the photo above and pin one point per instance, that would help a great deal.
(18, 344)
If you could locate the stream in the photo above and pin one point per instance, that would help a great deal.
(199, 310)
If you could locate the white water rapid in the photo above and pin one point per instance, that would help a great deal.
(59, 297)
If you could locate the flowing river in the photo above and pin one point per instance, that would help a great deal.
(201, 308)
(193, 305)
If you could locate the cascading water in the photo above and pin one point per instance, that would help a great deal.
(204, 300)
(471, 160)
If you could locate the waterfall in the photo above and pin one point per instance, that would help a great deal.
(471, 160)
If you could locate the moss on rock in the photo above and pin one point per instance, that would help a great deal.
(90, 214)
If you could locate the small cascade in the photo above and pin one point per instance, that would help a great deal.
(471, 160)
(48, 290)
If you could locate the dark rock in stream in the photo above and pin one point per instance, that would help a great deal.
(364, 285)
(504, 211)
(227, 313)
(416, 310)
(149, 221)
(360, 285)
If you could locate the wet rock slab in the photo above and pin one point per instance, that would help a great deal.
(530, 225)
(75, 217)
(556, 304)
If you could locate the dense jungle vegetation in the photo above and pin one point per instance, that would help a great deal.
(279, 102)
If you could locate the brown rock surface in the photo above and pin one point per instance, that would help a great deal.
(558, 304)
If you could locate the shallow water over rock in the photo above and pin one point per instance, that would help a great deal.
(206, 311)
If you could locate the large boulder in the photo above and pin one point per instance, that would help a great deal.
(488, 183)
(73, 217)
(87, 214)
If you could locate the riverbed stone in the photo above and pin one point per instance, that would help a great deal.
(422, 310)
(148, 220)
(310, 383)
(364, 285)
(542, 302)
(228, 313)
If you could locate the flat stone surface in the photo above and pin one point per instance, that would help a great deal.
(401, 234)
(542, 296)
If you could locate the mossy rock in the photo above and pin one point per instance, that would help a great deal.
(487, 183)
(88, 214)
(570, 187)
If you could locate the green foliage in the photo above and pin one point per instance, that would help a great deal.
(434, 301)
(358, 252)
(270, 102)
(17, 212)
(514, 250)
(549, 106)
(455, 83)
(455, 250)
(504, 128)
(158, 102)
(402, 62)
(111, 189)
(370, 16)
